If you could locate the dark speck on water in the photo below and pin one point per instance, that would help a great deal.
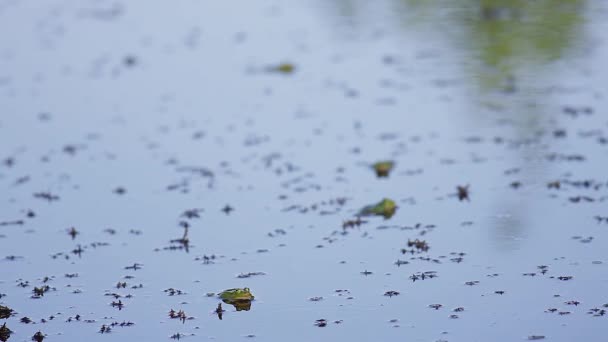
(227, 209)
(5, 312)
(462, 192)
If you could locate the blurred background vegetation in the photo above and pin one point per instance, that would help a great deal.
(503, 37)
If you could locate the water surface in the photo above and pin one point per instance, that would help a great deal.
(116, 117)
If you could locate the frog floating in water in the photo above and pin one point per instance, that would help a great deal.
(383, 168)
(283, 68)
(239, 298)
(385, 208)
(237, 294)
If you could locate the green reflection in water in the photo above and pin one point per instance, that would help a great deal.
(509, 36)
(502, 38)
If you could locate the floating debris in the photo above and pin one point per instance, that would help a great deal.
(177, 336)
(78, 251)
(46, 196)
(250, 274)
(129, 61)
(181, 315)
(207, 259)
(277, 232)
(183, 242)
(192, 213)
(219, 311)
(601, 219)
(8, 162)
(173, 292)
(134, 267)
(119, 304)
(423, 275)
(597, 312)
(578, 199)
(40, 291)
(5, 333)
(120, 190)
(12, 223)
(401, 262)
(583, 240)
(515, 185)
(462, 192)
(227, 209)
(321, 323)
(419, 246)
(122, 324)
(353, 223)
(73, 232)
(5, 312)
(38, 337)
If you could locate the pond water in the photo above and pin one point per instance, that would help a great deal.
(154, 154)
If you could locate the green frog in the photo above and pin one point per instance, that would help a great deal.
(236, 294)
(383, 168)
(385, 208)
(239, 298)
(283, 68)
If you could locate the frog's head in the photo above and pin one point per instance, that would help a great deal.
(238, 294)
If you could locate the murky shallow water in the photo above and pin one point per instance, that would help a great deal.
(174, 105)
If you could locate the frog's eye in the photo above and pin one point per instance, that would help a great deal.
(246, 289)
